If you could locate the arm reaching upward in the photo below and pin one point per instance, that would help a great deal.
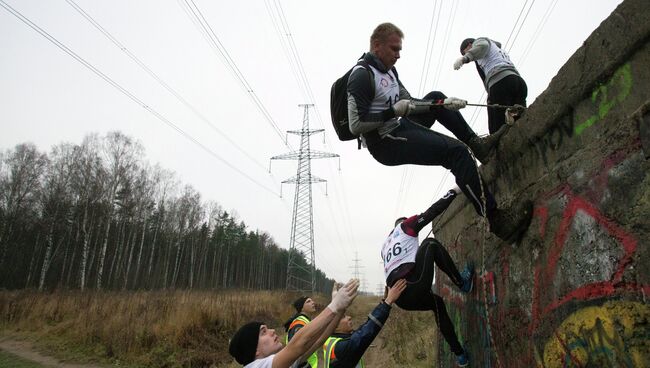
(311, 334)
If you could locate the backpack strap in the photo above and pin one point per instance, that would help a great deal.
(364, 64)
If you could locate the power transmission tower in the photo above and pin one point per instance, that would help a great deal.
(301, 266)
(380, 289)
(356, 274)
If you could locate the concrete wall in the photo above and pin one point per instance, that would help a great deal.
(572, 292)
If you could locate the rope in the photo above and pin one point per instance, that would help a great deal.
(483, 270)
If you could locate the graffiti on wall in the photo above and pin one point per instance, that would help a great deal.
(605, 96)
(566, 219)
(610, 335)
(551, 145)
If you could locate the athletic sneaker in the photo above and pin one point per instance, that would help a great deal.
(467, 275)
(462, 360)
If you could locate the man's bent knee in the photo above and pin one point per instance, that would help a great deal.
(435, 95)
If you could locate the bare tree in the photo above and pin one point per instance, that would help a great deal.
(121, 155)
(20, 185)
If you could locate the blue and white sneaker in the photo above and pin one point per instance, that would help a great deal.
(467, 275)
(462, 360)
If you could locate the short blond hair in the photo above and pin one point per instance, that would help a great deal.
(383, 31)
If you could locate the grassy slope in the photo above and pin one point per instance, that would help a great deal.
(10, 360)
(184, 328)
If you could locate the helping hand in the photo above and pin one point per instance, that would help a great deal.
(453, 103)
(395, 291)
(335, 288)
(459, 62)
(403, 107)
(344, 296)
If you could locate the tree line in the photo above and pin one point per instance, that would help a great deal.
(97, 215)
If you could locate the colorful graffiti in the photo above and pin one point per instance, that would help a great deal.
(528, 314)
(620, 82)
(611, 335)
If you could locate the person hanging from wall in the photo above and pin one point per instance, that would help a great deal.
(379, 108)
(305, 307)
(345, 348)
(502, 81)
(404, 259)
(255, 345)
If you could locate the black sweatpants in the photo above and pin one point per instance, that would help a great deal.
(416, 144)
(508, 91)
(418, 295)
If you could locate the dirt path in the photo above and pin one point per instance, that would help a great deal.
(27, 351)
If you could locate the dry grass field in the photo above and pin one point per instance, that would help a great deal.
(184, 328)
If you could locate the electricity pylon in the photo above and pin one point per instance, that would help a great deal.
(301, 266)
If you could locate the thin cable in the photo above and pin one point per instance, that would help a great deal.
(454, 8)
(450, 25)
(119, 45)
(515, 26)
(522, 25)
(232, 66)
(290, 50)
(301, 75)
(128, 94)
(537, 32)
(427, 53)
(423, 80)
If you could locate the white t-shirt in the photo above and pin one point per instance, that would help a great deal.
(266, 363)
(261, 363)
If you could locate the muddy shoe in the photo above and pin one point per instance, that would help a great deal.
(481, 146)
(510, 224)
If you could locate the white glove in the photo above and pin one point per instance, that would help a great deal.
(453, 103)
(456, 190)
(344, 296)
(459, 62)
(403, 107)
(335, 289)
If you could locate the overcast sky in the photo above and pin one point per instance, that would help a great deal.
(48, 97)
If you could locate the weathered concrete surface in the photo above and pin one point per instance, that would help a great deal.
(572, 292)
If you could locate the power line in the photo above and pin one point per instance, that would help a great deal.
(215, 43)
(408, 173)
(281, 25)
(505, 45)
(423, 77)
(124, 91)
(522, 24)
(537, 32)
(178, 96)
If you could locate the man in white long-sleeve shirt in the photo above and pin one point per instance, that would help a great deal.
(255, 345)
(502, 81)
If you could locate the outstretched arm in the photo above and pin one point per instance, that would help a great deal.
(352, 349)
(330, 328)
(414, 224)
(309, 335)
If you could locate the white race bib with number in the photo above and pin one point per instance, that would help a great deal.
(399, 248)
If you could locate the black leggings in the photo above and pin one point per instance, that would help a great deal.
(418, 145)
(418, 295)
(508, 91)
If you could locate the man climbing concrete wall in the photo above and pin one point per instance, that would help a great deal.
(572, 291)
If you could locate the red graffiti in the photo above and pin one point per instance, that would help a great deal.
(589, 291)
(542, 213)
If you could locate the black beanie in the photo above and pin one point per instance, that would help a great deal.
(299, 303)
(464, 44)
(244, 343)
